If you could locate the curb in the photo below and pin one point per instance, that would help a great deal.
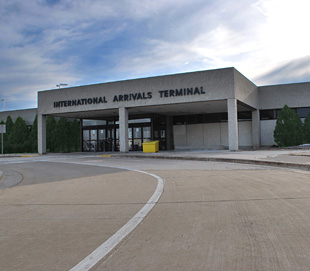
(228, 160)
(17, 155)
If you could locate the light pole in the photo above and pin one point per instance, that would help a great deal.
(2, 100)
(61, 85)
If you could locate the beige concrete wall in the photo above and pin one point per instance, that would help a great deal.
(293, 95)
(179, 134)
(216, 84)
(224, 134)
(245, 134)
(267, 128)
(27, 114)
(210, 135)
(194, 135)
(245, 90)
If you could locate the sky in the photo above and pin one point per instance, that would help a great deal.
(80, 42)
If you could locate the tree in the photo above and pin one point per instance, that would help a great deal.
(74, 136)
(289, 128)
(50, 133)
(6, 139)
(33, 136)
(18, 138)
(307, 129)
(1, 136)
(62, 134)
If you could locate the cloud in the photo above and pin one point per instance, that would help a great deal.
(45, 42)
(297, 70)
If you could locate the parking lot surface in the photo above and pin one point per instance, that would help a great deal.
(210, 216)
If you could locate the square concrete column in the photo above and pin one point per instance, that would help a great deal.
(41, 134)
(233, 136)
(256, 129)
(123, 130)
(81, 134)
(169, 133)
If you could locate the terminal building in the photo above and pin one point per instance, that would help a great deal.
(213, 109)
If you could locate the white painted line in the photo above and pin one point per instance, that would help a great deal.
(103, 250)
(98, 254)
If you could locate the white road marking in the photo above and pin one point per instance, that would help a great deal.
(103, 250)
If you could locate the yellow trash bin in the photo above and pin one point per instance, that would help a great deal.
(151, 146)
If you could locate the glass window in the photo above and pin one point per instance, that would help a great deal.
(93, 134)
(177, 120)
(93, 145)
(86, 145)
(130, 144)
(192, 119)
(208, 118)
(244, 115)
(137, 132)
(101, 134)
(303, 112)
(140, 120)
(159, 120)
(130, 132)
(88, 122)
(137, 145)
(224, 117)
(268, 114)
(147, 132)
(85, 134)
(110, 133)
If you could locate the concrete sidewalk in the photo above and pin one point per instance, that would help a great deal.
(288, 157)
(291, 158)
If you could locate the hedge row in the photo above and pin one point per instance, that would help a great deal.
(290, 130)
(61, 135)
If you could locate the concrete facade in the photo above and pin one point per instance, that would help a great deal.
(293, 95)
(222, 90)
(27, 114)
(211, 136)
(236, 104)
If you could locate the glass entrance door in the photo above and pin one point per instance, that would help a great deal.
(138, 135)
(109, 144)
(101, 140)
(105, 137)
(137, 139)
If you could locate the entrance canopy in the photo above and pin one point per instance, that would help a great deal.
(167, 110)
(214, 91)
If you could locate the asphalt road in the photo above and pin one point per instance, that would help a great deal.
(211, 216)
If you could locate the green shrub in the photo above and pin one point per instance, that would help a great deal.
(289, 128)
(307, 129)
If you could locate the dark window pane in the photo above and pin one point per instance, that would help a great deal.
(268, 114)
(192, 119)
(177, 120)
(244, 115)
(303, 112)
(209, 118)
(224, 117)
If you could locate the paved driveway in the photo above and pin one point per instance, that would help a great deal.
(211, 216)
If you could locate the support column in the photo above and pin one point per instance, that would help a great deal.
(81, 135)
(123, 129)
(169, 133)
(233, 140)
(256, 129)
(41, 134)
